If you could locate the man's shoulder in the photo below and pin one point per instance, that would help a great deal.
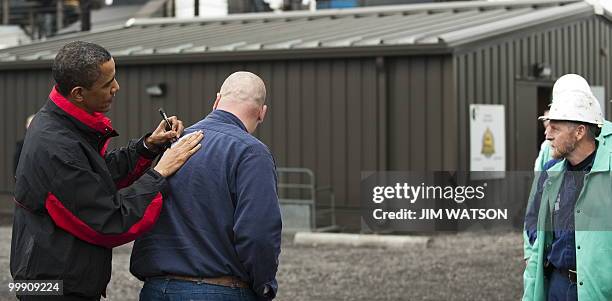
(230, 134)
(50, 137)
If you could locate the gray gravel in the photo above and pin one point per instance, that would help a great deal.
(481, 266)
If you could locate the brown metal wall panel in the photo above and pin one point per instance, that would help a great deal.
(309, 114)
(422, 105)
(171, 103)
(479, 73)
(324, 124)
(339, 128)
(210, 88)
(134, 104)
(278, 111)
(450, 130)
(383, 112)
(198, 98)
(184, 99)
(354, 124)
(399, 137)
(433, 115)
(294, 113)
(511, 76)
(494, 79)
(418, 114)
(369, 117)
(147, 105)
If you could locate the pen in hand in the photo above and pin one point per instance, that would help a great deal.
(168, 124)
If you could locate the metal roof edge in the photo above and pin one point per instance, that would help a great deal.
(254, 55)
(518, 23)
(469, 45)
(406, 8)
(605, 13)
(67, 36)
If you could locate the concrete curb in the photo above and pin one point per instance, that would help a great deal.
(361, 240)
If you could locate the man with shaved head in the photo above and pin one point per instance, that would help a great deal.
(219, 235)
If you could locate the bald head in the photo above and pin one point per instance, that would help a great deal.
(244, 95)
(243, 87)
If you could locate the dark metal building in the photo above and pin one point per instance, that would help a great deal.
(377, 88)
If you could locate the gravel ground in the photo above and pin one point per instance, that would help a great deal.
(454, 267)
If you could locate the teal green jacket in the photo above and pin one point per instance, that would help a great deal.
(543, 157)
(593, 221)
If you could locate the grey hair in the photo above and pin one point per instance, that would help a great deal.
(78, 64)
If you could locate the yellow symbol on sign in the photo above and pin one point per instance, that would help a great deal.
(488, 145)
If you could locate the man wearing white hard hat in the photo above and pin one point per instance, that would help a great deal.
(571, 255)
(565, 83)
(569, 82)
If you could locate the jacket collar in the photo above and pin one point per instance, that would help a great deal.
(606, 129)
(96, 121)
(602, 157)
(226, 117)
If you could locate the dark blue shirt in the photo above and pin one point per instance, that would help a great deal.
(562, 253)
(531, 217)
(222, 216)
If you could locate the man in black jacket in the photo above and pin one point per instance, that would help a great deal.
(76, 201)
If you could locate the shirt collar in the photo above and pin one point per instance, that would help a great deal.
(585, 165)
(96, 121)
(227, 117)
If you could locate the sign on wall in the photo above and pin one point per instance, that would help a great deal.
(488, 139)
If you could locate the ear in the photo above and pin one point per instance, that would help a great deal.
(581, 131)
(76, 94)
(262, 114)
(216, 103)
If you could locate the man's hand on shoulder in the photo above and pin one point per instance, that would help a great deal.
(173, 158)
(161, 136)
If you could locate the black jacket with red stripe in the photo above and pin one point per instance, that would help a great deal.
(75, 201)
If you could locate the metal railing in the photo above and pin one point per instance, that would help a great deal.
(305, 192)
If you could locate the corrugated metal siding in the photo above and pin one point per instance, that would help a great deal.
(322, 113)
(422, 131)
(568, 48)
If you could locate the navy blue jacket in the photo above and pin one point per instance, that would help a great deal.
(562, 253)
(222, 215)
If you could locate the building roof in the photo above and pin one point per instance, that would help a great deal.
(108, 16)
(415, 27)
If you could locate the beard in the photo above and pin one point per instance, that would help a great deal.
(562, 150)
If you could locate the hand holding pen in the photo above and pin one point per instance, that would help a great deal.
(167, 132)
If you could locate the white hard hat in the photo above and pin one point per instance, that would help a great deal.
(570, 82)
(575, 105)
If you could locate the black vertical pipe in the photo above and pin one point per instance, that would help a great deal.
(5, 12)
(85, 15)
(60, 14)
